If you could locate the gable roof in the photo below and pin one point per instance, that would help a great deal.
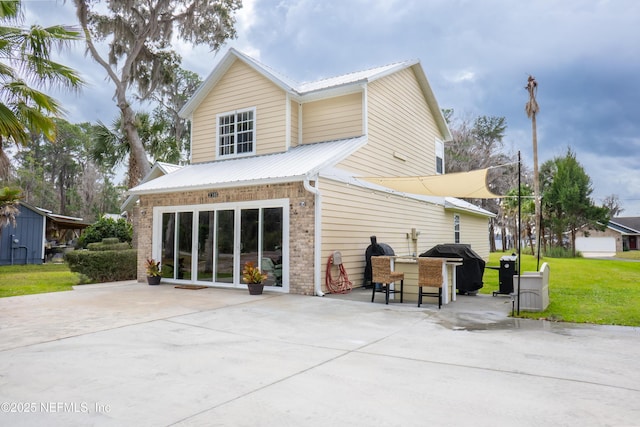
(296, 164)
(328, 87)
(625, 225)
(157, 170)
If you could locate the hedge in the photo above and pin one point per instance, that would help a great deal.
(104, 266)
(108, 247)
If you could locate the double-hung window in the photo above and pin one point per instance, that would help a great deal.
(236, 133)
(439, 157)
(456, 228)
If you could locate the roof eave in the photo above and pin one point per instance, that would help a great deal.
(215, 186)
(448, 205)
(331, 92)
(432, 101)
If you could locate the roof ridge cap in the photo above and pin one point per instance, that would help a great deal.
(268, 68)
(390, 64)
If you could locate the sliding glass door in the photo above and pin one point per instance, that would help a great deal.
(225, 265)
(215, 246)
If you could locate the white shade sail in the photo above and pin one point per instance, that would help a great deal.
(471, 184)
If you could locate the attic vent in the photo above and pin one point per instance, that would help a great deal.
(400, 156)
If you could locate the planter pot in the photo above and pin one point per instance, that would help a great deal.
(153, 280)
(255, 288)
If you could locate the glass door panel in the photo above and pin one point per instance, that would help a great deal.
(185, 232)
(205, 245)
(168, 244)
(224, 244)
(272, 245)
(249, 227)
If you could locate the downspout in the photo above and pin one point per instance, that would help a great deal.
(317, 284)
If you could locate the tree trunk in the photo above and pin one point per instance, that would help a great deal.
(536, 182)
(140, 166)
(504, 238)
(492, 237)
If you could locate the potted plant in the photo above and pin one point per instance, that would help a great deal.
(254, 278)
(153, 271)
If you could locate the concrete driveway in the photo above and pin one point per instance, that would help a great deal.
(133, 354)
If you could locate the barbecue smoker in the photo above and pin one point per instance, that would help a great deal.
(374, 249)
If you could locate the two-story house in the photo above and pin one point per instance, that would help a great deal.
(274, 174)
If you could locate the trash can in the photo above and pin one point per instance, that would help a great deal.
(508, 264)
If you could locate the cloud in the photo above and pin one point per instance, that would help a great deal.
(477, 56)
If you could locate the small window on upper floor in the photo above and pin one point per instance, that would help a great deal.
(236, 133)
(456, 228)
(439, 157)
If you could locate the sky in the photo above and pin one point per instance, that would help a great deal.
(477, 55)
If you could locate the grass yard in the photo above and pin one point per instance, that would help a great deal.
(580, 290)
(36, 279)
(583, 290)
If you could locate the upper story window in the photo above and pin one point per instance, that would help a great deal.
(236, 133)
(439, 157)
(456, 228)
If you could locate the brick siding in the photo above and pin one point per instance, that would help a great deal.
(301, 227)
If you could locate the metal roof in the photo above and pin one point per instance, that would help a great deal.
(157, 170)
(167, 167)
(296, 164)
(360, 76)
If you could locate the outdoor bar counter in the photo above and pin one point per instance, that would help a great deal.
(409, 266)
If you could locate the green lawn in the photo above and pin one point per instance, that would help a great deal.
(35, 279)
(583, 290)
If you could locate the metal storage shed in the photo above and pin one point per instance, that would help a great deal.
(24, 243)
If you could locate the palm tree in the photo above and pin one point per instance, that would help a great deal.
(25, 62)
(111, 147)
(532, 109)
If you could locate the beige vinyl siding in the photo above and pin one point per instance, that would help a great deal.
(294, 123)
(474, 231)
(401, 123)
(240, 87)
(333, 118)
(350, 215)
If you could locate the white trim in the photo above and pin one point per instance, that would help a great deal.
(317, 239)
(365, 109)
(156, 247)
(191, 139)
(287, 130)
(235, 184)
(235, 154)
(300, 123)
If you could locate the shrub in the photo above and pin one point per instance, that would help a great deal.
(104, 266)
(106, 228)
(560, 252)
(102, 246)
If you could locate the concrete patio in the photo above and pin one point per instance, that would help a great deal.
(133, 354)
